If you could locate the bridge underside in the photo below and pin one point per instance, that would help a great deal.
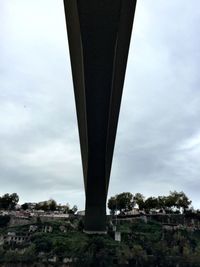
(99, 35)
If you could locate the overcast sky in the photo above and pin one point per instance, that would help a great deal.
(158, 141)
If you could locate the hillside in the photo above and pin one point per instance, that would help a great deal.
(63, 243)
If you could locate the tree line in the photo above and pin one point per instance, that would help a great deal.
(10, 201)
(126, 201)
(174, 202)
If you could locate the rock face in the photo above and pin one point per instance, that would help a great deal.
(99, 36)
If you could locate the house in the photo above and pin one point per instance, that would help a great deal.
(31, 206)
(157, 211)
(53, 259)
(134, 211)
(33, 228)
(68, 260)
(81, 213)
(48, 229)
(13, 238)
(118, 236)
(171, 227)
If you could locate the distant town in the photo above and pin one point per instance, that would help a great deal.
(123, 205)
(51, 233)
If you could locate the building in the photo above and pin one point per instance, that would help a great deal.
(14, 239)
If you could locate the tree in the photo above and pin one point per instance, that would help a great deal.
(123, 254)
(44, 206)
(169, 203)
(183, 201)
(37, 206)
(14, 200)
(9, 201)
(52, 204)
(24, 206)
(161, 202)
(112, 205)
(96, 253)
(12, 256)
(42, 243)
(124, 201)
(121, 202)
(139, 199)
(29, 254)
(177, 200)
(151, 203)
(139, 255)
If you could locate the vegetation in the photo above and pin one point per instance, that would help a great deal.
(168, 239)
(143, 244)
(174, 202)
(49, 205)
(9, 201)
(4, 220)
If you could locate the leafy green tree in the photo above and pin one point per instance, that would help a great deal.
(14, 200)
(151, 203)
(12, 256)
(98, 249)
(174, 199)
(123, 254)
(29, 254)
(161, 202)
(87, 254)
(24, 206)
(37, 206)
(42, 243)
(174, 202)
(124, 201)
(177, 200)
(183, 201)
(112, 205)
(59, 247)
(139, 255)
(9, 201)
(139, 199)
(44, 206)
(52, 205)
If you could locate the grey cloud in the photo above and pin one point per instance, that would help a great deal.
(159, 120)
